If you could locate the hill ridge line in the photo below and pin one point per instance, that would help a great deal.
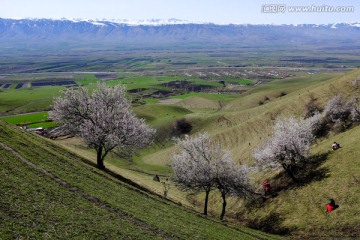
(90, 198)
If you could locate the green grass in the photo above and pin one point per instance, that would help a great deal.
(85, 79)
(27, 100)
(32, 120)
(58, 211)
(210, 96)
(237, 80)
(240, 124)
(144, 82)
(156, 114)
(302, 209)
(33, 206)
(43, 125)
(26, 118)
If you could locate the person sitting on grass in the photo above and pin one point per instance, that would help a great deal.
(331, 206)
(335, 146)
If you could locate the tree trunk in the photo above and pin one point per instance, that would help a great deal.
(206, 201)
(223, 195)
(289, 172)
(100, 159)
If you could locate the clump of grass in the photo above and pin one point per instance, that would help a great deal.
(282, 93)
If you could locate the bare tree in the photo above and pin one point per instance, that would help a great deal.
(202, 165)
(289, 145)
(103, 119)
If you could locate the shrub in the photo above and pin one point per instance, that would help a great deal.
(282, 94)
(182, 126)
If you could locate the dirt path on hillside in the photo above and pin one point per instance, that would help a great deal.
(92, 199)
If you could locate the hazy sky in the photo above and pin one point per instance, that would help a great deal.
(216, 11)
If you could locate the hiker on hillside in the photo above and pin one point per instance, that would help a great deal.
(156, 178)
(331, 205)
(166, 186)
(267, 188)
(335, 146)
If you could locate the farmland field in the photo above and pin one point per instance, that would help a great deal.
(26, 118)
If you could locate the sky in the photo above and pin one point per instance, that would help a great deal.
(215, 11)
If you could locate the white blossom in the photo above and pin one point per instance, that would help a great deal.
(289, 145)
(103, 119)
(202, 165)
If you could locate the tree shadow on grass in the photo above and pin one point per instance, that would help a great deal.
(270, 224)
(312, 171)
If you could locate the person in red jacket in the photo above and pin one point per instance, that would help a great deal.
(267, 189)
(331, 206)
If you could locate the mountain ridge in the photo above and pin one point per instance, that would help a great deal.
(175, 21)
(89, 32)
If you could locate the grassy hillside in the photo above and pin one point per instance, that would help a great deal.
(240, 124)
(242, 129)
(47, 192)
(300, 208)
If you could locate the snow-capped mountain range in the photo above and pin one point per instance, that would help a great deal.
(171, 31)
(136, 22)
(170, 21)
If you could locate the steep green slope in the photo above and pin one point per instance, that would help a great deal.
(47, 192)
(242, 124)
(242, 130)
(301, 207)
(35, 206)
